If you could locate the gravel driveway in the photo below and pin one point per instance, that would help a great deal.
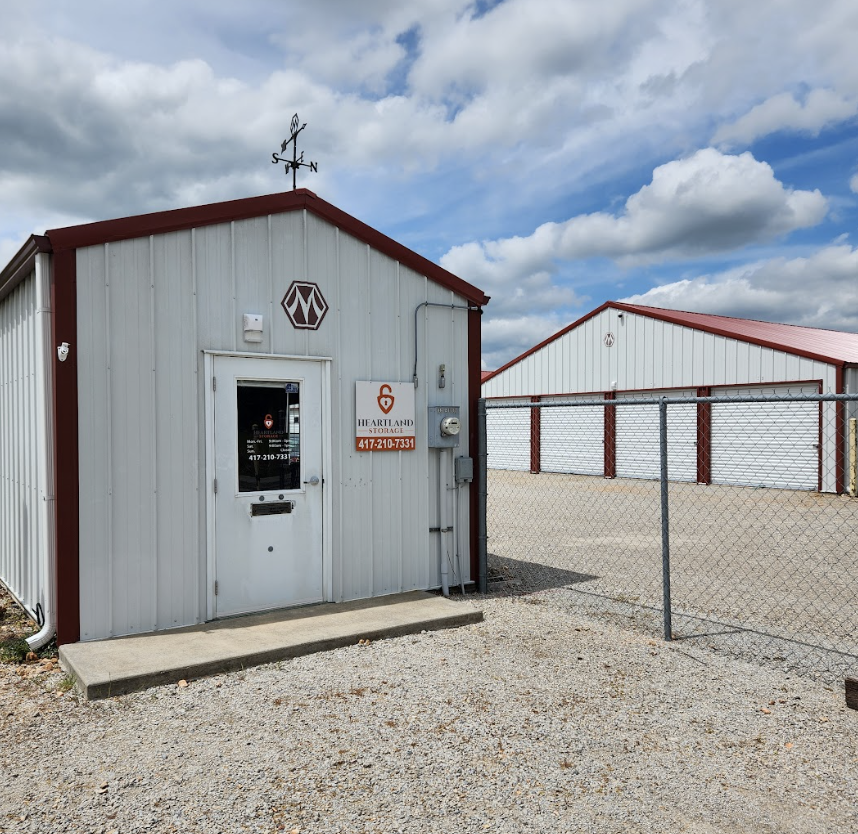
(539, 719)
(773, 565)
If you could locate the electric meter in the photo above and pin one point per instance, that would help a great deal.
(444, 426)
(450, 426)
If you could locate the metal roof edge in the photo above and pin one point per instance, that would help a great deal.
(163, 222)
(666, 315)
(22, 263)
(673, 317)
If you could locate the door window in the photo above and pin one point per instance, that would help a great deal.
(269, 435)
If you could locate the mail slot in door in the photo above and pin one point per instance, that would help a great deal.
(274, 508)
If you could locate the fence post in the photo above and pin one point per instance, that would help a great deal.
(482, 495)
(665, 529)
(853, 457)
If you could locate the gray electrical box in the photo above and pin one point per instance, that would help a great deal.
(444, 426)
(464, 470)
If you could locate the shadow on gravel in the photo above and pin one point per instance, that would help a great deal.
(520, 577)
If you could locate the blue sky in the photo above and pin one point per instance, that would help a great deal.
(692, 154)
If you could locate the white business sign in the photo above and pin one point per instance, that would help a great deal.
(384, 414)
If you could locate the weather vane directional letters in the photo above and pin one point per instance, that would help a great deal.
(297, 161)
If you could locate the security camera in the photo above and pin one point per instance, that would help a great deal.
(63, 351)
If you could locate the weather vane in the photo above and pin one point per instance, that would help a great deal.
(297, 161)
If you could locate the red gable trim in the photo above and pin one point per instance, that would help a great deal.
(548, 341)
(143, 225)
(683, 320)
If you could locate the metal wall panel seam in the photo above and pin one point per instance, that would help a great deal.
(400, 544)
(305, 334)
(369, 353)
(269, 328)
(153, 422)
(233, 305)
(337, 474)
(109, 444)
(200, 575)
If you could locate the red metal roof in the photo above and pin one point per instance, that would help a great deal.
(834, 347)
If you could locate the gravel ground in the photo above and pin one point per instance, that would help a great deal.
(780, 562)
(540, 718)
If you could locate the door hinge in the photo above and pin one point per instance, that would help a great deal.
(215, 486)
(214, 383)
(216, 587)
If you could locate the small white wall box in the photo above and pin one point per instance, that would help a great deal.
(464, 469)
(252, 327)
(444, 426)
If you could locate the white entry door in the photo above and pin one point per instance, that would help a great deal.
(268, 500)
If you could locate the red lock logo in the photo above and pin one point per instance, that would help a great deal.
(385, 398)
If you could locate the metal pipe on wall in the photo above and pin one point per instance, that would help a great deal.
(442, 522)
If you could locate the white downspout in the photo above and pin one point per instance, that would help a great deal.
(45, 452)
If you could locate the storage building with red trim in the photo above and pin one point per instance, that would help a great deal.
(626, 351)
(226, 408)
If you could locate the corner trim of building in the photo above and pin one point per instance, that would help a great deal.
(65, 407)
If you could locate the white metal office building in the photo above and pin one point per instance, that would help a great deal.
(231, 408)
(625, 351)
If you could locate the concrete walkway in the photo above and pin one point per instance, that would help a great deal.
(127, 664)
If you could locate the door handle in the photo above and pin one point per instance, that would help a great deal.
(314, 481)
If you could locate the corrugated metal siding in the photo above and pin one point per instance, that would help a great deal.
(147, 309)
(573, 439)
(766, 444)
(638, 447)
(508, 436)
(648, 354)
(23, 534)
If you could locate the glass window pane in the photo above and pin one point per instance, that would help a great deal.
(269, 440)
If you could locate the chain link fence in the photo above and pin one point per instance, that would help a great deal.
(722, 522)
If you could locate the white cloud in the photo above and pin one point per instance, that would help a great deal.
(853, 183)
(505, 338)
(707, 203)
(820, 109)
(816, 291)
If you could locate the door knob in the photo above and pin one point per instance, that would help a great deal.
(314, 481)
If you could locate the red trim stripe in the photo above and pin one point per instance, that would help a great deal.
(535, 438)
(704, 437)
(65, 405)
(610, 437)
(474, 348)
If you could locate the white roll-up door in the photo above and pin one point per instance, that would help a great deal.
(508, 436)
(637, 445)
(573, 438)
(766, 444)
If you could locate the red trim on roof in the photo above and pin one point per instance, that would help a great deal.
(833, 347)
(163, 222)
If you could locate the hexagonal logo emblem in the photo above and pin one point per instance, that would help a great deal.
(305, 305)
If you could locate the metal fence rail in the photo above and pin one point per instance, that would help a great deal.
(727, 522)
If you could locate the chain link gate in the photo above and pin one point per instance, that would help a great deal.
(724, 522)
